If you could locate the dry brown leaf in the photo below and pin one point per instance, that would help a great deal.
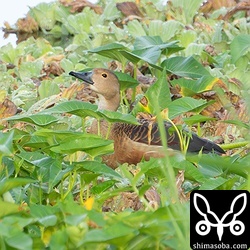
(129, 9)
(27, 25)
(179, 182)
(7, 108)
(79, 5)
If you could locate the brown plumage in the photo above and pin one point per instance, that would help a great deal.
(132, 143)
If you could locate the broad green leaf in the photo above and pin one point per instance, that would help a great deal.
(112, 50)
(48, 169)
(197, 118)
(20, 241)
(185, 67)
(126, 81)
(45, 214)
(116, 231)
(98, 168)
(213, 183)
(148, 42)
(159, 94)
(6, 146)
(239, 46)
(84, 109)
(185, 104)
(102, 187)
(150, 55)
(85, 142)
(238, 123)
(8, 184)
(37, 119)
(8, 208)
(190, 87)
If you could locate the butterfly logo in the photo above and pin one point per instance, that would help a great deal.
(203, 227)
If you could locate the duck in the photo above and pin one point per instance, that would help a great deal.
(133, 143)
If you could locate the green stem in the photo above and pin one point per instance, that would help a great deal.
(235, 145)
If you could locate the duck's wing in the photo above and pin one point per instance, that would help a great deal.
(148, 133)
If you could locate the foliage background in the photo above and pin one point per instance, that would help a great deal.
(54, 191)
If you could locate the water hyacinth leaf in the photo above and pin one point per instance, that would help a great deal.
(37, 119)
(79, 23)
(44, 14)
(185, 67)
(135, 28)
(48, 88)
(166, 30)
(190, 87)
(30, 69)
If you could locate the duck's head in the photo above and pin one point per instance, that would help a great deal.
(105, 83)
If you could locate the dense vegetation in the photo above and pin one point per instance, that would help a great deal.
(190, 64)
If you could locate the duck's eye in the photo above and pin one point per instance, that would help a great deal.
(104, 75)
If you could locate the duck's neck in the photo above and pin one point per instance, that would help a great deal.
(111, 104)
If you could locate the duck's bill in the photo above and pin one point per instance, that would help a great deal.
(85, 76)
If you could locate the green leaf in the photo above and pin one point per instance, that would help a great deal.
(37, 119)
(150, 55)
(112, 50)
(238, 123)
(98, 168)
(45, 214)
(30, 69)
(8, 208)
(212, 183)
(48, 88)
(84, 142)
(185, 104)
(148, 42)
(185, 67)
(126, 81)
(6, 146)
(8, 184)
(159, 94)
(102, 187)
(190, 87)
(239, 46)
(166, 30)
(116, 231)
(84, 109)
(44, 14)
(20, 241)
(197, 118)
